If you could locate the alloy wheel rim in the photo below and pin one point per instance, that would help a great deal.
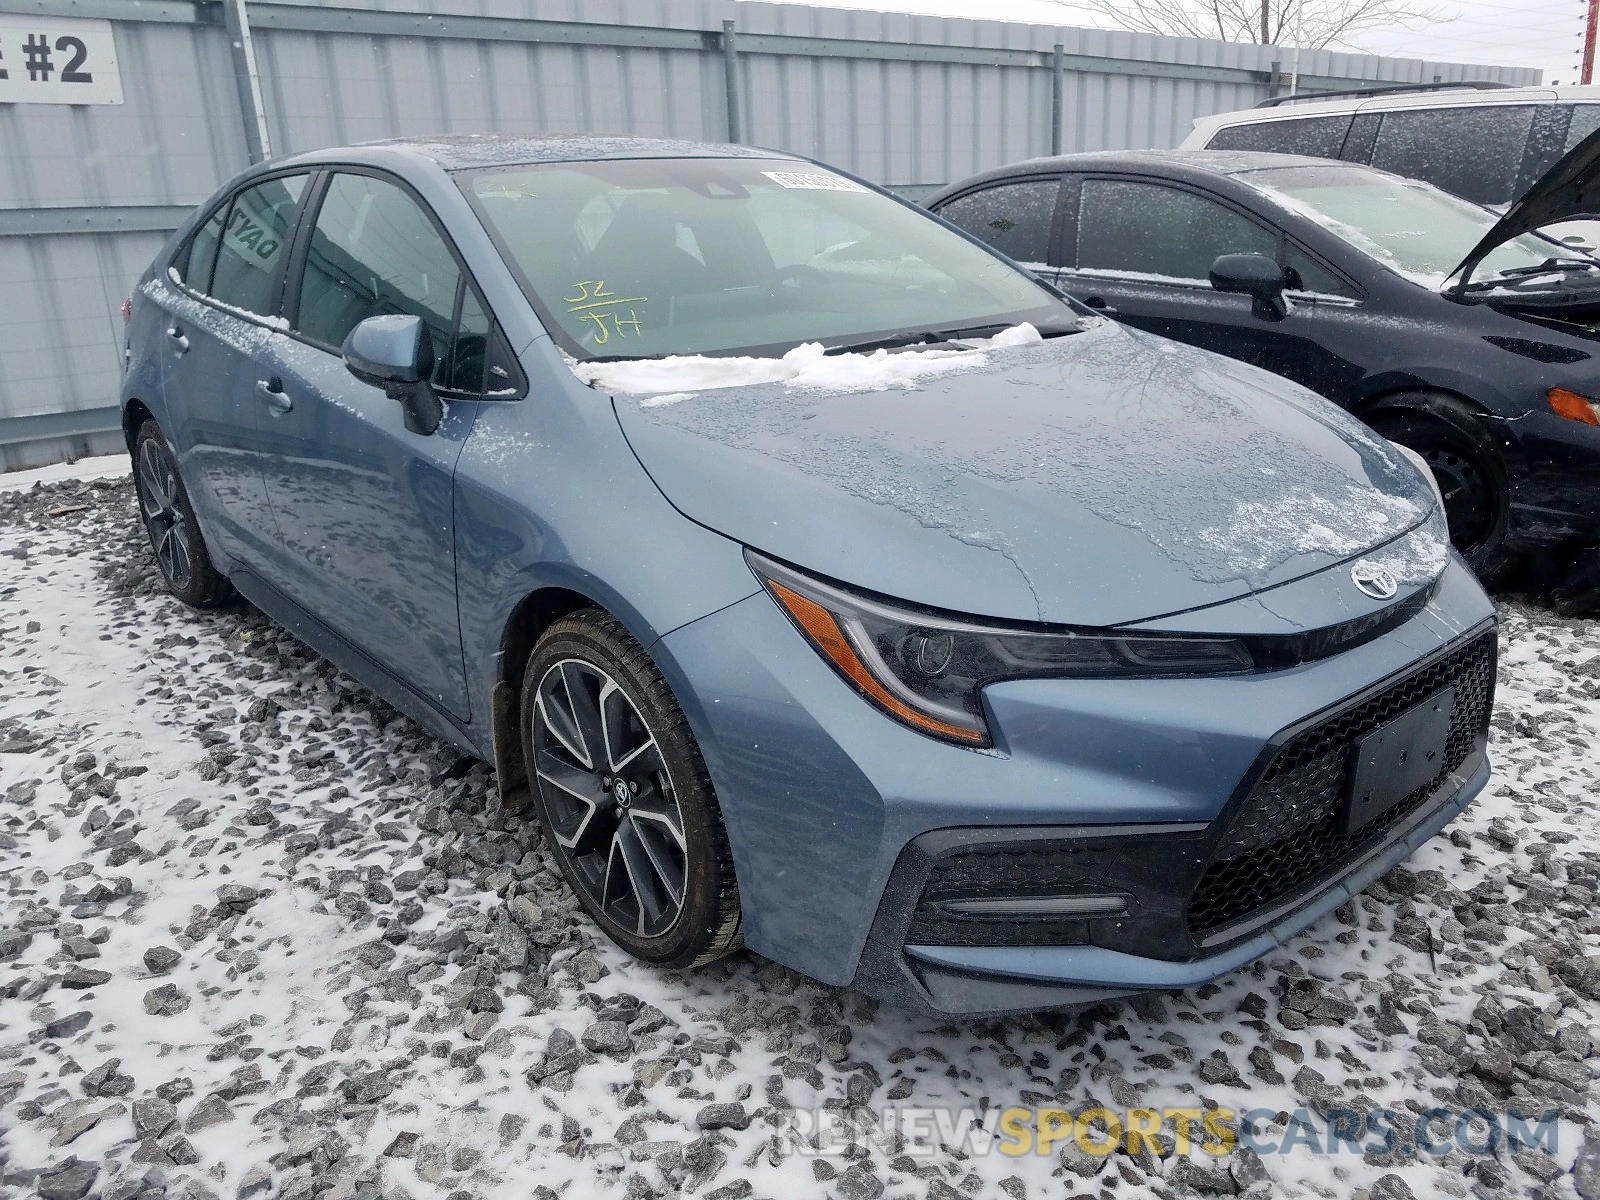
(1468, 497)
(158, 500)
(606, 789)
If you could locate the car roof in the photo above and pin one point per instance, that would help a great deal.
(466, 151)
(1191, 165)
(1387, 101)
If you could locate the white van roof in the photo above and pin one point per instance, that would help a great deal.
(1424, 97)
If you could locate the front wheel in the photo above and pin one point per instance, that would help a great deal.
(169, 520)
(624, 797)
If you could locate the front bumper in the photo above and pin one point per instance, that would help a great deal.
(838, 817)
(1554, 465)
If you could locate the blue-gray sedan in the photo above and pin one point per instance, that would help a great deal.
(823, 582)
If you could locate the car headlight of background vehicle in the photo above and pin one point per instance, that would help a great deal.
(927, 670)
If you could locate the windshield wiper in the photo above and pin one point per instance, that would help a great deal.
(944, 337)
(1550, 266)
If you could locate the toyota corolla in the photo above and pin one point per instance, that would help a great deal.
(823, 582)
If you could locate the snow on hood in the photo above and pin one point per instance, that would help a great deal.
(1097, 479)
(667, 380)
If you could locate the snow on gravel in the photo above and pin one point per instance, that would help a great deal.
(261, 935)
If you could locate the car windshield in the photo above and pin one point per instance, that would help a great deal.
(652, 257)
(1412, 227)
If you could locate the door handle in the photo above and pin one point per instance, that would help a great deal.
(271, 390)
(178, 340)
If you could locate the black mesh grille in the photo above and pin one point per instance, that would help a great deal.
(1288, 832)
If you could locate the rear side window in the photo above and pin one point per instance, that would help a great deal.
(374, 251)
(199, 257)
(1014, 218)
(1320, 137)
(1474, 152)
(1585, 120)
(254, 241)
(1132, 227)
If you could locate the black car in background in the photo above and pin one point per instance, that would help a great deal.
(1446, 327)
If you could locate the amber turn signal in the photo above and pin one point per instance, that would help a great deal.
(822, 628)
(1574, 407)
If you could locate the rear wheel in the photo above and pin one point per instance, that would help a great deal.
(624, 797)
(169, 520)
(1469, 470)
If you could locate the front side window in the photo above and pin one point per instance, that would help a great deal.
(253, 242)
(648, 257)
(1014, 218)
(1129, 227)
(1320, 137)
(1474, 152)
(373, 252)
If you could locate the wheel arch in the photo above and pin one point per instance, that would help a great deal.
(135, 412)
(533, 614)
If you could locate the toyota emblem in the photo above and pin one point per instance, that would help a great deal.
(1373, 580)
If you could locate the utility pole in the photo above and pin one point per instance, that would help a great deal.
(1588, 41)
(1266, 20)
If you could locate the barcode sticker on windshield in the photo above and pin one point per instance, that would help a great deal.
(812, 181)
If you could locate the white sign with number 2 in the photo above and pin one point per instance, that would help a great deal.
(58, 60)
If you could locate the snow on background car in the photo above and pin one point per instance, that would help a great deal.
(261, 935)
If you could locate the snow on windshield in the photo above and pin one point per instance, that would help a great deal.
(665, 380)
(1414, 229)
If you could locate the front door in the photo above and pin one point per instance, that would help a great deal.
(1144, 252)
(364, 506)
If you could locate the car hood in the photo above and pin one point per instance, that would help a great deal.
(1096, 479)
(1565, 191)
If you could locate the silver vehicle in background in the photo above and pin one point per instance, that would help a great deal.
(1485, 142)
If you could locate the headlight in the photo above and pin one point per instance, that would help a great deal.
(927, 669)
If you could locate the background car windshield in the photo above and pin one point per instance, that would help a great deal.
(702, 256)
(1415, 228)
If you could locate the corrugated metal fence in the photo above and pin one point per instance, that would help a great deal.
(87, 193)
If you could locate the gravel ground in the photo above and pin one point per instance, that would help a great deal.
(261, 935)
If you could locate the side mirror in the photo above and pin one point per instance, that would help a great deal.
(394, 352)
(1256, 276)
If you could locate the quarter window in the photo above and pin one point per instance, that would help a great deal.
(1138, 228)
(1320, 137)
(250, 246)
(1475, 152)
(1314, 278)
(1014, 218)
(373, 251)
(200, 256)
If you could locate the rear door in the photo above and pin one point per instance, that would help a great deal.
(230, 278)
(1018, 217)
(365, 507)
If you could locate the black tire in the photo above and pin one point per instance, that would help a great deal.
(168, 517)
(1468, 467)
(620, 853)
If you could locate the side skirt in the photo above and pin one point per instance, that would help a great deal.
(350, 658)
